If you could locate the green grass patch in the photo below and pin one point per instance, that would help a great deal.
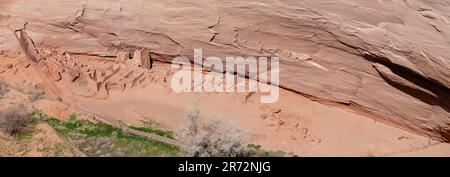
(100, 139)
(83, 127)
(259, 152)
(167, 134)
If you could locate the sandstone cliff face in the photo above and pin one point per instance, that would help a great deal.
(389, 58)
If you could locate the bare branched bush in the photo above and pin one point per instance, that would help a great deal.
(36, 94)
(15, 120)
(216, 138)
(3, 89)
(193, 115)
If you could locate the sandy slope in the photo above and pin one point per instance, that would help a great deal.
(43, 140)
(303, 127)
(390, 58)
(293, 124)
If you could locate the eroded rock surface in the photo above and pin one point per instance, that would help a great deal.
(389, 58)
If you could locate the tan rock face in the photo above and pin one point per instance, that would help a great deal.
(390, 58)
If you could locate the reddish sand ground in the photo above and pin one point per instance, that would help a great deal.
(293, 124)
(303, 127)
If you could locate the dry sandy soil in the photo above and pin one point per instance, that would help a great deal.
(294, 124)
(43, 141)
(359, 77)
(387, 58)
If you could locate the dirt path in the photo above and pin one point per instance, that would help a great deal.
(293, 124)
(305, 128)
(119, 124)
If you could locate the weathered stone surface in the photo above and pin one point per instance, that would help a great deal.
(141, 59)
(387, 57)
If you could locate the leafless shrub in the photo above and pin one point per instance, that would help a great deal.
(36, 94)
(216, 138)
(15, 120)
(193, 115)
(3, 89)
